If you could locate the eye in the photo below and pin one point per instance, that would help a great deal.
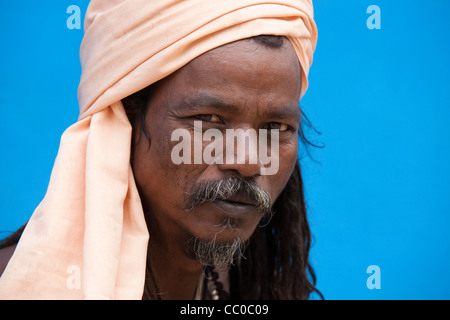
(276, 125)
(209, 117)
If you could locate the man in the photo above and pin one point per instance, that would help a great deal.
(239, 67)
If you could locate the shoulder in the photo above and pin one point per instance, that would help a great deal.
(5, 255)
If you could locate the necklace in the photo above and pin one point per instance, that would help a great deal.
(212, 286)
(208, 288)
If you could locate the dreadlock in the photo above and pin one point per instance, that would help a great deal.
(277, 265)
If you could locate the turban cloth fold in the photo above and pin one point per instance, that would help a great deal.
(88, 238)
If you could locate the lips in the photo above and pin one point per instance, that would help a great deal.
(239, 200)
(235, 207)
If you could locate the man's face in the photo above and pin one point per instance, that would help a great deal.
(242, 85)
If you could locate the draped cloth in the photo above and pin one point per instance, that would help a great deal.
(88, 238)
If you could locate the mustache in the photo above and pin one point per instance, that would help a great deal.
(230, 188)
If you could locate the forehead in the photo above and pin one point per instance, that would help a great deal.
(244, 73)
(248, 61)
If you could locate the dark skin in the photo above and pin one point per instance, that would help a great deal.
(241, 85)
(5, 255)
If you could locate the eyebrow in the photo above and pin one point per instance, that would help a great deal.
(206, 99)
(288, 110)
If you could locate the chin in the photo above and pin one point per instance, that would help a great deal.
(215, 252)
(209, 225)
(226, 231)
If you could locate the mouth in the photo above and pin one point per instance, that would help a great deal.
(235, 207)
(240, 200)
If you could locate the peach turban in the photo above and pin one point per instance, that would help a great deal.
(88, 237)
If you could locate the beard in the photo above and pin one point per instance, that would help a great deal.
(213, 253)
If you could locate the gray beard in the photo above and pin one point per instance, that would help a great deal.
(222, 255)
(212, 253)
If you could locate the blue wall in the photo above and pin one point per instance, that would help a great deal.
(378, 193)
(381, 193)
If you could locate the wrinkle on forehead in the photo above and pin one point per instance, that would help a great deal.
(246, 58)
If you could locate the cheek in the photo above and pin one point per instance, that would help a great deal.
(290, 156)
(287, 161)
(162, 184)
(154, 172)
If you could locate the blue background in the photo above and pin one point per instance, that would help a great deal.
(378, 193)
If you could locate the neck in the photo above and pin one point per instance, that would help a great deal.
(176, 275)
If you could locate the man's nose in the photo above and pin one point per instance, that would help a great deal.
(245, 169)
(241, 155)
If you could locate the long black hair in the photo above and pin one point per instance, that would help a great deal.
(276, 264)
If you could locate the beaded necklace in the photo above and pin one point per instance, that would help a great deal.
(212, 287)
